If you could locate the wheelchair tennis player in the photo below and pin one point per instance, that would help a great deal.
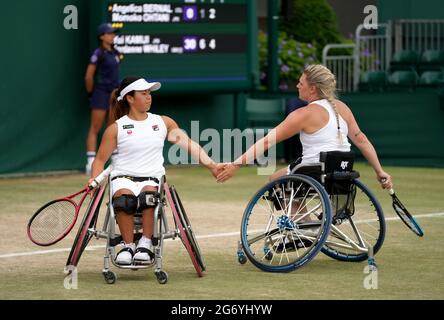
(324, 125)
(139, 135)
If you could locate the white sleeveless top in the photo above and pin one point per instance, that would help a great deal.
(326, 138)
(140, 147)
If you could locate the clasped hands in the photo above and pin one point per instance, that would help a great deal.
(223, 171)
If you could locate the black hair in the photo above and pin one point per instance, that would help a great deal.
(121, 108)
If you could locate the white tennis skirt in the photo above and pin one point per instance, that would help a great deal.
(135, 187)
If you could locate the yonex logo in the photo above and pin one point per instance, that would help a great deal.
(344, 165)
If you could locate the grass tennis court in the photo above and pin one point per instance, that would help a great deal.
(409, 267)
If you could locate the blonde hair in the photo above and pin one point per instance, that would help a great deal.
(325, 82)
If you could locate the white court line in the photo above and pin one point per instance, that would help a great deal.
(216, 235)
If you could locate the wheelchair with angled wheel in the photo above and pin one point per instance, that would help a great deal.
(324, 207)
(167, 196)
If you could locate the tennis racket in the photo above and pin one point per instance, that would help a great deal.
(53, 221)
(405, 215)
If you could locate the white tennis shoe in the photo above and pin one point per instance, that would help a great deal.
(144, 251)
(125, 256)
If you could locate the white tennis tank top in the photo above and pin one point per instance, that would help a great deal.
(326, 138)
(140, 147)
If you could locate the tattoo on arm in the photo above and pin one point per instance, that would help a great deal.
(358, 133)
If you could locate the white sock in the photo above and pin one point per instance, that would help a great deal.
(90, 156)
(130, 245)
(145, 242)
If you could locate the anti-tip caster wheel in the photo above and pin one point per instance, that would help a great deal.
(241, 258)
(162, 277)
(372, 266)
(110, 277)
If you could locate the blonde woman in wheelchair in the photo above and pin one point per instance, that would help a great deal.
(139, 135)
(324, 125)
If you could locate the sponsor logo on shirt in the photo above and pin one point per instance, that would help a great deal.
(156, 127)
(129, 132)
(128, 126)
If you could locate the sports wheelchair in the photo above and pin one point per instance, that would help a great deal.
(323, 207)
(166, 195)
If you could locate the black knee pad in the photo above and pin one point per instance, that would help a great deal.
(126, 203)
(148, 199)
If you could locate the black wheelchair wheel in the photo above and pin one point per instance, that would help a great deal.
(351, 235)
(286, 223)
(89, 221)
(187, 228)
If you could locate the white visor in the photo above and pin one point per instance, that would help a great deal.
(139, 85)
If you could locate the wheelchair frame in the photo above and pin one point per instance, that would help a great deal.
(161, 232)
(338, 244)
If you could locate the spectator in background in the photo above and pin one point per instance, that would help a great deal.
(293, 146)
(104, 67)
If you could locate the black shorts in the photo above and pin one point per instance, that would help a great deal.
(311, 171)
(100, 98)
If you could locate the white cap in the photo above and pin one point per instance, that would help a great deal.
(139, 85)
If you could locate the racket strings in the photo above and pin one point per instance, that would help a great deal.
(408, 219)
(53, 221)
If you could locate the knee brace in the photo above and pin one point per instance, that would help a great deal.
(126, 203)
(148, 199)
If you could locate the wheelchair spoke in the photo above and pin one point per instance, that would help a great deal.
(277, 197)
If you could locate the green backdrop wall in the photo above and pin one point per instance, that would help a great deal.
(44, 112)
(43, 109)
(406, 128)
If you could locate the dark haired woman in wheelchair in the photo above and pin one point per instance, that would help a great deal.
(139, 135)
(289, 220)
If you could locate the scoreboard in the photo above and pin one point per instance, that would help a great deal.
(187, 45)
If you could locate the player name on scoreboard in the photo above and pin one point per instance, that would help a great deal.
(180, 44)
(143, 13)
(176, 13)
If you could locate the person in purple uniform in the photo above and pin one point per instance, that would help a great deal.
(101, 78)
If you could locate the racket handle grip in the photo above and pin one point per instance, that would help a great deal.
(391, 191)
(98, 180)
